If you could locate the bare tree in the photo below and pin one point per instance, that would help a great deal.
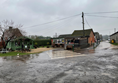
(4, 26)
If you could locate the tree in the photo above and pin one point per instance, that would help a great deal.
(4, 26)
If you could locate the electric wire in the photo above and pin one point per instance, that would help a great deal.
(102, 16)
(102, 12)
(87, 23)
(54, 21)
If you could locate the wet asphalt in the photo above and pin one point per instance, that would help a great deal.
(99, 65)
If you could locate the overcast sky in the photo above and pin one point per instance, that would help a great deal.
(36, 12)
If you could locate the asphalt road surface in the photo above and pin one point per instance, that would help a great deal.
(63, 66)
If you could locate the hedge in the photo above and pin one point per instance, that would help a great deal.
(42, 42)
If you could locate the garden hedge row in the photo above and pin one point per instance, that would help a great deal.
(42, 42)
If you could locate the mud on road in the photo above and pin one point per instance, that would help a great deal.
(100, 66)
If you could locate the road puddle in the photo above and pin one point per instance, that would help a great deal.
(47, 55)
(56, 54)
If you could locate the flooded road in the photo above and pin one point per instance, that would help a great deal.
(99, 65)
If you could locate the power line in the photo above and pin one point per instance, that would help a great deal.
(102, 16)
(87, 22)
(53, 21)
(102, 12)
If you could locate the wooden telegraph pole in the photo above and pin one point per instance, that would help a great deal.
(83, 23)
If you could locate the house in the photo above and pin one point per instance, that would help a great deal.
(114, 37)
(16, 44)
(89, 34)
(17, 39)
(12, 32)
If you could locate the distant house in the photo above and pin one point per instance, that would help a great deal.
(17, 39)
(97, 36)
(101, 37)
(89, 34)
(114, 37)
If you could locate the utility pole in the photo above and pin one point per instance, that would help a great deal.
(83, 24)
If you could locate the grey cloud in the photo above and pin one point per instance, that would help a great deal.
(33, 12)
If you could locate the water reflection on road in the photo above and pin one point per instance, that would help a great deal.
(47, 55)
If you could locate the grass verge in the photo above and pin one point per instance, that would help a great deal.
(13, 54)
(114, 43)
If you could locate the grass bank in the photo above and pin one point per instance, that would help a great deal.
(13, 54)
(114, 43)
(33, 51)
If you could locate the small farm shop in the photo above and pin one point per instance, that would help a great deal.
(75, 42)
(57, 42)
(16, 44)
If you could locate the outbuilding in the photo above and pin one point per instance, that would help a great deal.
(114, 37)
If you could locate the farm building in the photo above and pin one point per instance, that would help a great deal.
(88, 33)
(75, 41)
(114, 37)
(75, 38)
(59, 42)
(78, 40)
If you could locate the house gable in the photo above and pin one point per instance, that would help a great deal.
(10, 32)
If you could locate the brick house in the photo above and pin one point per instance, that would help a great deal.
(88, 33)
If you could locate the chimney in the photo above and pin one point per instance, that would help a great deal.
(10, 28)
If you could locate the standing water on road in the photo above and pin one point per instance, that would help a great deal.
(100, 65)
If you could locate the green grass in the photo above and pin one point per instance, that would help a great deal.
(13, 54)
(114, 43)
